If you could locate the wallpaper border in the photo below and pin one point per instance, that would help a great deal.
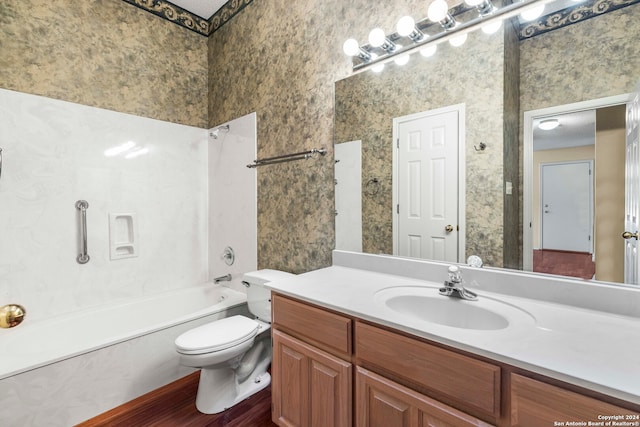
(553, 21)
(173, 13)
(226, 12)
(571, 15)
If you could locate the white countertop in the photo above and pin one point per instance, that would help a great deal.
(589, 348)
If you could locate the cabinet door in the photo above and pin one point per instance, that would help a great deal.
(384, 403)
(310, 387)
(534, 403)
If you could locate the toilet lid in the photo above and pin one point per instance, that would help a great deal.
(219, 335)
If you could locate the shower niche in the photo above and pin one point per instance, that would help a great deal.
(123, 236)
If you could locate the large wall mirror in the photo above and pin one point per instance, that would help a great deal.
(578, 63)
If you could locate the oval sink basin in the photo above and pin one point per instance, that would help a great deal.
(426, 304)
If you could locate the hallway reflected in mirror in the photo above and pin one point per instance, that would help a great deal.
(564, 263)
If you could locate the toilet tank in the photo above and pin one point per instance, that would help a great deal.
(259, 297)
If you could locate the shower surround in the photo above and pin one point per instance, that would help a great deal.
(55, 153)
(160, 188)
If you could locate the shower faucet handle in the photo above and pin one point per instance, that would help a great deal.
(228, 255)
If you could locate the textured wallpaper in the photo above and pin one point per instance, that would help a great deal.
(588, 60)
(107, 54)
(512, 249)
(278, 58)
(281, 59)
(265, 61)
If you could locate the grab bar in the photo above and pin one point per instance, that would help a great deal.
(0, 162)
(82, 206)
(287, 157)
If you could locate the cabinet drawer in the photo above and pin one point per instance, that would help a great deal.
(534, 403)
(327, 330)
(468, 383)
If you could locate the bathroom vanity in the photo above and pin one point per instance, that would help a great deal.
(350, 349)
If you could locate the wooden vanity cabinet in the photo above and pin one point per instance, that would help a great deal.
(327, 365)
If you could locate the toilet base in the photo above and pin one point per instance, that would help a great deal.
(221, 388)
(217, 392)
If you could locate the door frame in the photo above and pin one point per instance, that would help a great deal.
(460, 109)
(591, 200)
(527, 169)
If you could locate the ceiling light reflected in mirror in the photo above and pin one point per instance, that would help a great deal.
(549, 124)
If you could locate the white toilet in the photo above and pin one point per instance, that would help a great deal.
(235, 352)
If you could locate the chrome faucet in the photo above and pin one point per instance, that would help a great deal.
(225, 278)
(453, 286)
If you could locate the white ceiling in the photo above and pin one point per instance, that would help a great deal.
(203, 8)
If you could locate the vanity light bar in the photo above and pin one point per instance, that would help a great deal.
(460, 29)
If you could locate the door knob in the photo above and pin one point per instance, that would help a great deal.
(629, 235)
(448, 228)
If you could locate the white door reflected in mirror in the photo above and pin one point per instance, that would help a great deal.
(427, 184)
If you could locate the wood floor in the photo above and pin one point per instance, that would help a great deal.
(573, 264)
(174, 405)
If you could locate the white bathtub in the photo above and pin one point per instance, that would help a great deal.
(64, 370)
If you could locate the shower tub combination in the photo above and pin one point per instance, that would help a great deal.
(66, 369)
(73, 358)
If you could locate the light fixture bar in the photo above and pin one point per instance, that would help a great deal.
(484, 8)
(503, 13)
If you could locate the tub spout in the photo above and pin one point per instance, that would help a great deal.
(225, 278)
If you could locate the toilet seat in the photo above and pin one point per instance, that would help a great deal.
(216, 336)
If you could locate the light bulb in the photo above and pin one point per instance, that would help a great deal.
(402, 59)
(438, 10)
(534, 13)
(458, 41)
(378, 67)
(377, 37)
(493, 27)
(429, 50)
(473, 3)
(351, 47)
(405, 26)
